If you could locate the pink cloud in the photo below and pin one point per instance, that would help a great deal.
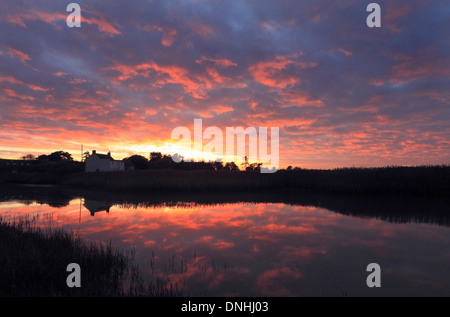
(12, 80)
(200, 29)
(168, 33)
(51, 17)
(194, 84)
(102, 24)
(18, 54)
(409, 68)
(168, 37)
(272, 73)
(223, 62)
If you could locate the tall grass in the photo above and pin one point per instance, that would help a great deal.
(33, 263)
(420, 180)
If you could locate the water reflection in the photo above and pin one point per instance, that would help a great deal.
(96, 206)
(430, 210)
(291, 247)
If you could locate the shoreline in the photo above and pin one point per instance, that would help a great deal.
(432, 181)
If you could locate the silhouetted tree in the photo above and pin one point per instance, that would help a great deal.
(155, 156)
(231, 166)
(28, 157)
(245, 164)
(166, 162)
(254, 167)
(139, 162)
(160, 161)
(218, 166)
(86, 155)
(60, 156)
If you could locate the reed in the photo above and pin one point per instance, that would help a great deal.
(395, 180)
(33, 263)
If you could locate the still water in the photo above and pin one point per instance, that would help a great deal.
(260, 249)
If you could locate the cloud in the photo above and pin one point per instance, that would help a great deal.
(168, 34)
(342, 94)
(102, 24)
(281, 72)
(33, 14)
(223, 62)
(18, 54)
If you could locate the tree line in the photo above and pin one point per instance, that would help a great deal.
(53, 157)
(156, 160)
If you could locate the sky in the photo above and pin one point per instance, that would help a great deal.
(341, 93)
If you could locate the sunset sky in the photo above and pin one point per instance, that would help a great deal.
(341, 93)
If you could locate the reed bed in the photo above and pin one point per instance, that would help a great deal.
(33, 263)
(419, 180)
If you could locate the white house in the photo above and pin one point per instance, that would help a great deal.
(103, 163)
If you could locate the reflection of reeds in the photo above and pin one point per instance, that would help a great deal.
(420, 180)
(182, 276)
(33, 262)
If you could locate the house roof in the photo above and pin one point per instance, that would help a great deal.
(104, 156)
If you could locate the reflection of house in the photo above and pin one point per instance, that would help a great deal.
(103, 163)
(95, 206)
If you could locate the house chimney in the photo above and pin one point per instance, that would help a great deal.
(94, 152)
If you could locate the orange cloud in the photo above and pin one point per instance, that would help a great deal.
(20, 55)
(13, 94)
(50, 17)
(409, 68)
(345, 52)
(215, 110)
(200, 29)
(14, 19)
(223, 62)
(20, 19)
(168, 37)
(298, 98)
(168, 33)
(214, 74)
(393, 13)
(270, 73)
(103, 23)
(16, 81)
(194, 85)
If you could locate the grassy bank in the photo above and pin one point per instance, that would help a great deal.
(33, 263)
(421, 180)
